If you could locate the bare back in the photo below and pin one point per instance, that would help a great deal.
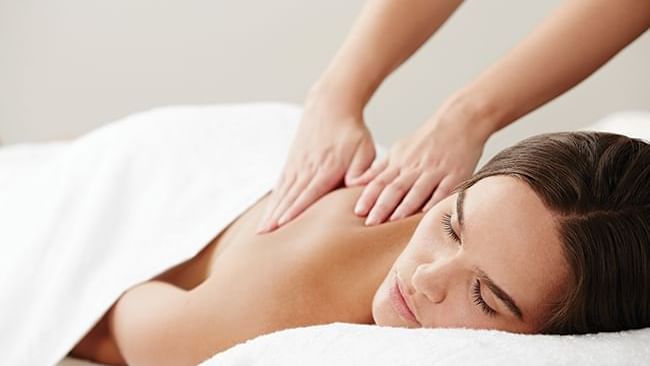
(322, 267)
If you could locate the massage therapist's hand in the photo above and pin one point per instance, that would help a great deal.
(419, 170)
(331, 143)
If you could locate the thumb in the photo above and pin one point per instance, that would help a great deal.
(361, 161)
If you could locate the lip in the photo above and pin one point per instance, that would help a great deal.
(401, 307)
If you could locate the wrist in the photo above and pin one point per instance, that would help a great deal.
(330, 108)
(348, 83)
(476, 116)
(337, 97)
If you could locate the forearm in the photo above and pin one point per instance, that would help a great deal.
(567, 47)
(386, 33)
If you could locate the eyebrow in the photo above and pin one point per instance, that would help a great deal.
(459, 208)
(506, 299)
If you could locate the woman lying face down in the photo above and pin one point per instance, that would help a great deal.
(551, 236)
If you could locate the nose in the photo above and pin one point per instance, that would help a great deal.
(433, 279)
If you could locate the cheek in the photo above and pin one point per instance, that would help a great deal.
(421, 247)
(456, 311)
(427, 235)
(453, 314)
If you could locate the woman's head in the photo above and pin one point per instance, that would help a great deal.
(554, 237)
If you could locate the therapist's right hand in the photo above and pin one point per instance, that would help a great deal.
(331, 145)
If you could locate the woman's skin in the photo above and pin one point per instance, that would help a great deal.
(333, 144)
(327, 266)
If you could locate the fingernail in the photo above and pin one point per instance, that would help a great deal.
(371, 220)
(283, 220)
(270, 227)
(358, 209)
(264, 230)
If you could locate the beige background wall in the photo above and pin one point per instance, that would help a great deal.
(68, 66)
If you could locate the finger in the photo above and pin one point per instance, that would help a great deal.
(372, 191)
(322, 183)
(391, 197)
(443, 190)
(371, 173)
(277, 194)
(274, 203)
(417, 195)
(291, 196)
(361, 161)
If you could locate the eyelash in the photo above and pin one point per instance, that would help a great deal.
(478, 299)
(476, 288)
(446, 225)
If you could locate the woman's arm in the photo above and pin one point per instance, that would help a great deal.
(572, 43)
(150, 324)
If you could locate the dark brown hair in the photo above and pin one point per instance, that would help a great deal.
(598, 186)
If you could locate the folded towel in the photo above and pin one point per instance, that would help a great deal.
(352, 344)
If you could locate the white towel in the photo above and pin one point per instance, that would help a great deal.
(83, 221)
(354, 345)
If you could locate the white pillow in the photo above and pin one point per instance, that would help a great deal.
(630, 123)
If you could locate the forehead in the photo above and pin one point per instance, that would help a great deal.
(511, 234)
(506, 208)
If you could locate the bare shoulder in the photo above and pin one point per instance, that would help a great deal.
(98, 345)
(152, 324)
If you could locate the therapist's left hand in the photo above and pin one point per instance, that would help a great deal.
(419, 171)
(331, 146)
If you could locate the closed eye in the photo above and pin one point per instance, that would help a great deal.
(446, 226)
(478, 299)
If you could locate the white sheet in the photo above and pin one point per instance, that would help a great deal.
(84, 221)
